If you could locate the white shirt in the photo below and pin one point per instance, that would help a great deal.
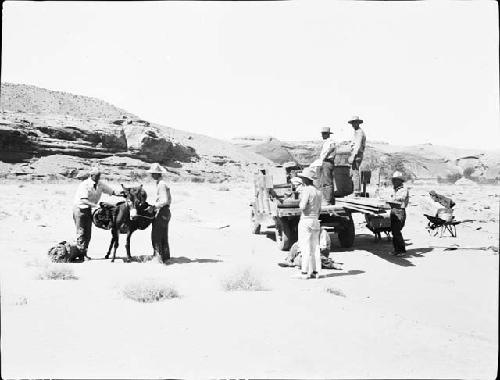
(310, 201)
(89, 191)
(402, 195)
(163, 197)
(358, 143)
(328, 149)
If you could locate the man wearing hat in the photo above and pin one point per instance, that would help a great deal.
(398, 204)
(309, 227)
(87, 197)
(159, 228)
(358, 148)
(327, 158)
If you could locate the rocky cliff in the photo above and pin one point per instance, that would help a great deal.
(44, 131)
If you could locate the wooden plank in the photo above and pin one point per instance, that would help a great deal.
(369, 208)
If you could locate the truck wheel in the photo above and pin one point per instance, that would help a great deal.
(255, 225)
(283, 234)
(346, 235)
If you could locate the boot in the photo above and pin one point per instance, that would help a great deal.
(327, 192)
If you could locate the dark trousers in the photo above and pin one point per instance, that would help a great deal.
(159, 234)
(398, 218)
(83, 223)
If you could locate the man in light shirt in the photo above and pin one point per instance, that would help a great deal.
(87, 197)
(159, 229)
(400, 200)
(358, 148)
(326, 157)
(309, 227)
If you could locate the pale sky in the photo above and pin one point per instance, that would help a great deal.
(416, 72)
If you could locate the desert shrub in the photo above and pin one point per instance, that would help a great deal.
(148, 291)
(223, 188)
(245, 279)
(15, 299)
(215, 180)
(59, 192)
(468, 172)
(450, 178)
(4, 214)
(336, 292)
(57, 272)
(196, 179)
(19, 300)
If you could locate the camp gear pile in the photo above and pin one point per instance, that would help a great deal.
(64, 252)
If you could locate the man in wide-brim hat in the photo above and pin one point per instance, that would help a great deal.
(326, 158)
(398, 204)
(358, 148)
(159, 227)
(87, 198)
(309, 228)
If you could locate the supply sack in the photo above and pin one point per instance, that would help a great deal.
(63, 252)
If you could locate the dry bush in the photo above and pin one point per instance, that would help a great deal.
(57, 272)
(244, 279)
(18, 300)
(4, 214)
(149, 290)
(196, 179)
(59, 192)
(223, 188)
(335, 292)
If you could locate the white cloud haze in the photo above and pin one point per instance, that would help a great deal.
(416, 72)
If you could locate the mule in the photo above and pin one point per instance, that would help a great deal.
(129, 216)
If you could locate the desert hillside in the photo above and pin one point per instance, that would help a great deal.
(424, 161)
(46, 133)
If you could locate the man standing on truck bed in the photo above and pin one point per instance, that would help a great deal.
(326, 157)
(358, 148)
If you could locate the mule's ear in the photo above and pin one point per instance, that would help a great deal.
(140, 187)
(123, 187)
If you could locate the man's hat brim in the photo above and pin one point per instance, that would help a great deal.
(355, 121)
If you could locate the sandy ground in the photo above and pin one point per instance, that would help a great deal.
(431, 314)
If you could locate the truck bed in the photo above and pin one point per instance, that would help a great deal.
(325, 210)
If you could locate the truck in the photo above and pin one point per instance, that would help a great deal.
(276, 204)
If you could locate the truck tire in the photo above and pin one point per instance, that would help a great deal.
(283, 234)
(255, 225)
(346, 234)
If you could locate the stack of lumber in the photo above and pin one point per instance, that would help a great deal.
(364, 205)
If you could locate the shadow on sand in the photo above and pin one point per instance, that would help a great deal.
(383, 249)
(172, 260)
(185, 260)
(338, 274)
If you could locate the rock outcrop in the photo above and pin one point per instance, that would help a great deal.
(23, 136)
(51, 134)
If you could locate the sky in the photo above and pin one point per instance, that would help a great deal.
(415, 72)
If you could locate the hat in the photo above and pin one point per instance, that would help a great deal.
(326, 130)
(296, 181)
(156, 169)
(398, 175)
(355, 119)
(307, 173)
(94, 170)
